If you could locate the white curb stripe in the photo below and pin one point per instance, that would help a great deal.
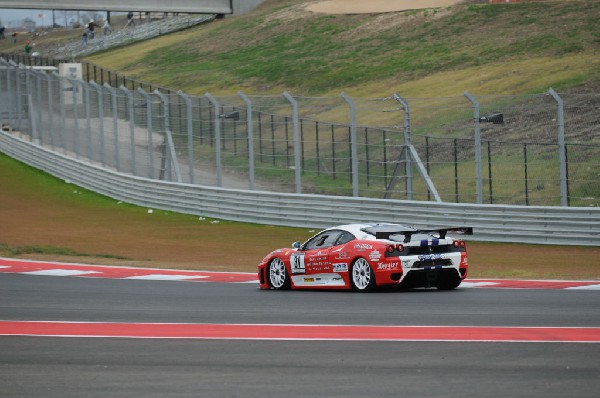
(59, 272)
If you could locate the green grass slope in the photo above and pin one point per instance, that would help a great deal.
(486, 49)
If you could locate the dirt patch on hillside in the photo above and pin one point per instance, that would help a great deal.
(375, 6)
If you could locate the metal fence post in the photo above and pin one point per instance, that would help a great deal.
(250, 130)
(76, 144)
(115, 115)
(173, 162)
(50, 93)
(407, 144)
(131, 116)
(100, 119)
(353, 144)
(63, 116)
(85, 87)
(478, 167)
(217, 124)
(297, 154)
(562, 153)
(190, 134)
(19, 113)
(148, 98)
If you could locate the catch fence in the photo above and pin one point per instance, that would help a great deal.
(541, 149)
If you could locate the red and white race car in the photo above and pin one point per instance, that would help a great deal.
(365, 256)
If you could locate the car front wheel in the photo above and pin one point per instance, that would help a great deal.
(278, 276)
(362, 277)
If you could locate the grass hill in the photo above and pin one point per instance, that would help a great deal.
(482, 48)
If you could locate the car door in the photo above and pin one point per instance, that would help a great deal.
(314, 256)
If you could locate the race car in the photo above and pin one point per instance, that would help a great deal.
(366, 256)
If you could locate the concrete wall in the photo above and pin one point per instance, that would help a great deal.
(243, 6)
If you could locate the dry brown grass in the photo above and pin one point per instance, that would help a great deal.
(37, 210)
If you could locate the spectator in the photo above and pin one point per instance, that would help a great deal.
(14, 37)
(2, 29)
(106, 27)
(27, 47)
(130, 21)
(91, 26)
(84, 35)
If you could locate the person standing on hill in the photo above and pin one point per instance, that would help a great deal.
(27, 47)
(91, 26)
(84, 35)
(130, 21)
(106, 28)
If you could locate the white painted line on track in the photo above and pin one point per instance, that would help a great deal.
(588, 287)
(59, 272)
(469, 285)
(162, 277)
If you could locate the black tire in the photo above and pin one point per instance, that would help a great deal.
(362, 277)
(277, 275)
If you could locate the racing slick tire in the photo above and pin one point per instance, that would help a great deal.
(278, 275)
(362, 277)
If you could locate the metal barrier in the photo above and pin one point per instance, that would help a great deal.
(496, 223)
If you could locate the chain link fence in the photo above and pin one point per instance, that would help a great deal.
(539, 149)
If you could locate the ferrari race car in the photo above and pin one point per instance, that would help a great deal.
(365, 256)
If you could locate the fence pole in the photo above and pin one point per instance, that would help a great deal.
(131, 117)
(250, 130)
(173, 162)
(407, 143)
(85, 86)
(19, 113)
(297, 155)
(148, 98)
(98, 89)
(478, 167)
(217, 129)
(63, 116)
(50, 93)
(190, 133)
(75, 117)
(562, 156)
(353, 143)
(115, 117)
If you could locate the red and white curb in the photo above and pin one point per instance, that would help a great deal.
(301, 332)
(27, 267)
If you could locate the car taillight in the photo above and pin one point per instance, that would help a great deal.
(395, 248)
(390, 248)
(400, 248)
(459, 243)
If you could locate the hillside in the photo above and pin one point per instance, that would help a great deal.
(482, 48)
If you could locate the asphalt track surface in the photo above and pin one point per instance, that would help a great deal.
(134, 367)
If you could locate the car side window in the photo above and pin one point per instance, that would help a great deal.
(344, 237)
(323, 240)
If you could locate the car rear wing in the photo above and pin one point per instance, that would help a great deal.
(385, 231)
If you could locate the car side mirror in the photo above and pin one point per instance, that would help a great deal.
(297, 245)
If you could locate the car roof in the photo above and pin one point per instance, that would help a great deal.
(358, 230)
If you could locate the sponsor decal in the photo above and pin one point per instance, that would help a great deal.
(387, 266)
(342, 256)
(342, 267)
(362, 246)
(297, 263)
(374, 255)
(309, 280)
(429, 257)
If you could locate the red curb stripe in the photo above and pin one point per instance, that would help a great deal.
(302, 332)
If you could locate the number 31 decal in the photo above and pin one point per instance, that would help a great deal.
(297, 263)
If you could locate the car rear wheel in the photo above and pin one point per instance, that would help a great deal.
(362, 277)
(278, 276)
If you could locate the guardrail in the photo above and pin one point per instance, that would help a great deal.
(495, 223)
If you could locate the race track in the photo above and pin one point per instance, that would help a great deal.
(239, 366)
